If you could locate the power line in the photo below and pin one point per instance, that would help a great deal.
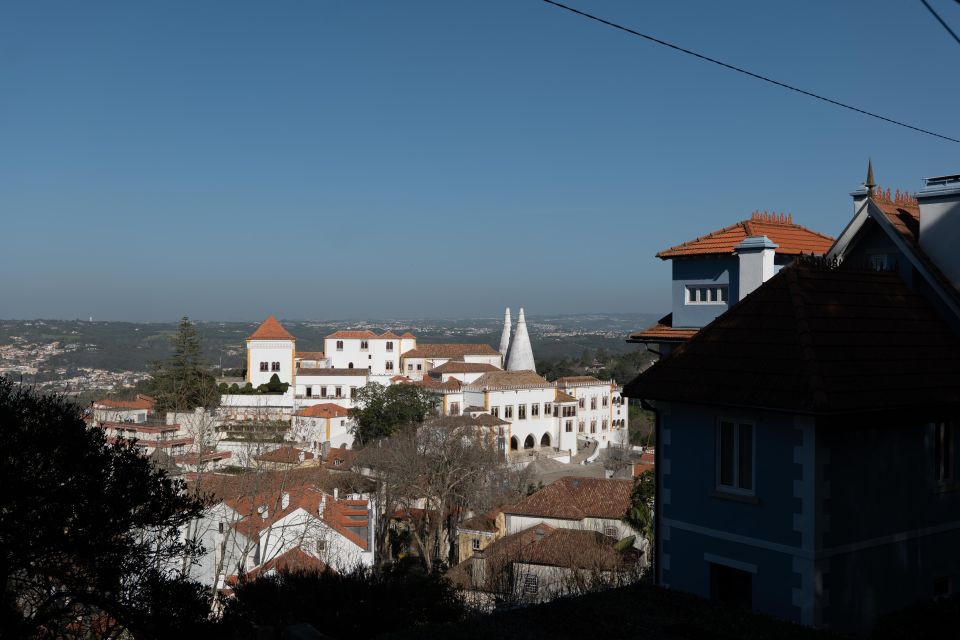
(940, 20)
(750, 73)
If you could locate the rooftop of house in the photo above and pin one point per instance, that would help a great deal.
(309, 355)
(366, 334)
(286, 455)
(451, 351)
(324, 410)
(451, 385)
(295, 559)
(816, 339)
(485, 522)
(790, 238)
(563, 397)
(542, 545)
(509, 380)
(663, 331)
(572, 498)
(330, 371)
(271, 329)
(455, 366)
(579, 381)
(139, 403)
(340, 459)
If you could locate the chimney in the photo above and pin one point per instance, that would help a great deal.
(939, 204)
(505, 336)
(336, 493)
(479, 573)
(755, 255)
(285, 500)
(323, 503)
(860, 195)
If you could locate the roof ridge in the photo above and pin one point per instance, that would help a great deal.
(814, 379)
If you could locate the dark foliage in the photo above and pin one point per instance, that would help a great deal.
(184, 381)
(360, 604)
(381, 410)
(87, 528)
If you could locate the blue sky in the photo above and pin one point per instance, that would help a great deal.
(332, 159)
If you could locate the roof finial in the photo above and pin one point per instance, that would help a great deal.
(870, 184)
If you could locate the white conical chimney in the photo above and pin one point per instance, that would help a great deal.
(505, 336)
(521, 353)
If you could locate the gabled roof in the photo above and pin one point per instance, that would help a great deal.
(453, 366)
(408, 336)
(140, 402)
(509, 379)
(286, 455)
(324, 410)
(451, 351)
(352, 335)
(572, 498)
(271, 329)
(663, 331)
(340, 459)
(562, 397)
(450, 386)
(816, 340)
(790, 238)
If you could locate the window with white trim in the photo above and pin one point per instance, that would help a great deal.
(476, 544)
(735, 459)
(706, 294)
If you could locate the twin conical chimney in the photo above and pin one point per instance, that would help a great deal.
(520, 355)
(505, 336)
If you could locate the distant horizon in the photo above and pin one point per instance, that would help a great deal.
(367, 319)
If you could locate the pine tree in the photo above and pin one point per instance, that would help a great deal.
(183, 381)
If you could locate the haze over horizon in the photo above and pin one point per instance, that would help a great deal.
(424, 159)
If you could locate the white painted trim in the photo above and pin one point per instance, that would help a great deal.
(733, 564)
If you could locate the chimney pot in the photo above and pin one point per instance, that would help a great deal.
(756, 263)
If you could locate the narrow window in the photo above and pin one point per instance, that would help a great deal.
(726, 453)
(535, 410)
(495, 412)
(593, 403)
(339, 345)
(264, 366)
(508, 411)
(569, 426)
(735, 455)
(522, 412)
(476, 544)
(389, 345)
(339, 392)
(389, 365)
(942, 451)
(364, 345)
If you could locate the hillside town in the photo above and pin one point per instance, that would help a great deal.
(708, 419)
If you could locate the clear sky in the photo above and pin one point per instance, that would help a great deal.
(329, 159)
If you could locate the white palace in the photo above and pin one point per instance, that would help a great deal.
(471, 379)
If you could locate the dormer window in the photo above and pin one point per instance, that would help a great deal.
(713, 294)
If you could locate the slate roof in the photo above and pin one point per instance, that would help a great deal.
(790, 238)
(271, 329)
(452, 351)
(816, 340)
(572, 498)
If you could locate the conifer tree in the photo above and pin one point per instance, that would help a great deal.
(183, 381)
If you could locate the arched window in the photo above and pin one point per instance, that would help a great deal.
(529, 443)
(514, 443)
(350, 366)
(545, 440)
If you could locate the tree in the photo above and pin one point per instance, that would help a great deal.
(184, 381)
(639, 514)
(381, 410)
(90, 530)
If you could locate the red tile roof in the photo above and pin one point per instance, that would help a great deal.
(271, 329)
(453, 366)
(572, 498)
(663, 331)
(286, 455)
(816, 340)
(353, 335)
(791, 239)
(324, 410)
(140, 402)
(309, 355)
(408, 336)
(293, 560)
(573, 381)
(451, 351)
(340, 459)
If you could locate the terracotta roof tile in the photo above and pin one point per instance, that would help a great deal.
(663, 331)
(329, 371)
(510, 379)
(451, 351)
(286, 455)
(816, 340)
(453, 366)
(572, 498)
(271, 329)
(792, 239)
(324, 410)
(140, 402)
(572, 381)
(563, 397)
(408, 336)
(309, 355)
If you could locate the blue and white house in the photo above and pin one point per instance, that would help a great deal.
(807, 439)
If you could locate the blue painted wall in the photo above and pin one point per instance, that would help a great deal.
(702, 271)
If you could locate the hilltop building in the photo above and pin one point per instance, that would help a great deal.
(714, 271)
(549, 418)
(807, 438)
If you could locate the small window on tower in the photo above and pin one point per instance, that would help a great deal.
(264, 366)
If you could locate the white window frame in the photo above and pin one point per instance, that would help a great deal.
(735, 488)
(715, 294)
